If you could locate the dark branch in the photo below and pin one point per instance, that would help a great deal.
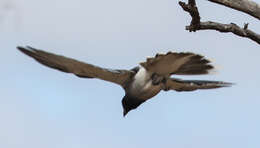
(192, 9)
(195, 24)
(246, 6)
(243, 32)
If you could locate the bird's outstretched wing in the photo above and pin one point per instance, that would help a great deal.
(190, 85)
(177, 63)
(76, 67)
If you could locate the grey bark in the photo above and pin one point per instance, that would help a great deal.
(247, 6)
(196, 24)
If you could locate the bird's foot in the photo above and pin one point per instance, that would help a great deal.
(157, 79)
(165, 88)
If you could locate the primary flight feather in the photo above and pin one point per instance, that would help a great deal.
(142, 82)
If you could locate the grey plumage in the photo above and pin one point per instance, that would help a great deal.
(78, 68)
(191, 85)
(142, 82)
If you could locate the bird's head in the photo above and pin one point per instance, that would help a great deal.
(129, 103)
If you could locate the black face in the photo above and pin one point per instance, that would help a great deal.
(130, 103)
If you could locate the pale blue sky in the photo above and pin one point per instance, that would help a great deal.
(41, 107)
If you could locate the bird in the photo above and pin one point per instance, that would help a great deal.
(142, 82)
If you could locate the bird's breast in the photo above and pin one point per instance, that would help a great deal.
(142, 87)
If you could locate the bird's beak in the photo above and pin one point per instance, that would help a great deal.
(125, 112)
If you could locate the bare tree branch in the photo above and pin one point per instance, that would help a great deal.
(192, 9)
(243, 32)
(195, 24)
(247, 6)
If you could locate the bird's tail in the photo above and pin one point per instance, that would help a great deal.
(190, 85)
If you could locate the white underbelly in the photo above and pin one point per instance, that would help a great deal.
(142, 86)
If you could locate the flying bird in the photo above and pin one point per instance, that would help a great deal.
(142, 82)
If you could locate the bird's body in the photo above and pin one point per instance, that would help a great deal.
(142, 82)
(142, 86)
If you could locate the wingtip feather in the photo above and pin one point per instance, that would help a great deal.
(26, 50)
(225, 84)
(23, 49)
